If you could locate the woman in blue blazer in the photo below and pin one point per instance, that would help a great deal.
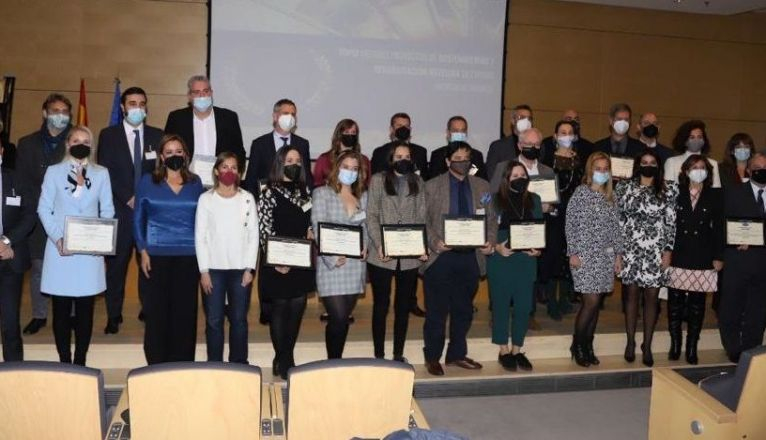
(74, 187)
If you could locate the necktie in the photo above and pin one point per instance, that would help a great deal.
(462, 203)
(760, 202)
(137, 153)
(284, 141)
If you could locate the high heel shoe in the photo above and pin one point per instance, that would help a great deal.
(579, 356)
(630, 351)
(647, 358)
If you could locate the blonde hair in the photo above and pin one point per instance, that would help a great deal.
(587, 179)
(358, 187)
(81, 129)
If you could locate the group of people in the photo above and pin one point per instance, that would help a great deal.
(661, 228)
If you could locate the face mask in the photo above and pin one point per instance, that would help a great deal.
(227, 178)
(347, 177)
(519, 185)
(759, 176)
(523, 125)
(293, 172)
(530, 153)
(620, 127)
(135, 116)
(742, 154)
(202, 103)
(650, 131)
(79, 151)
(175, 163)
(697, 176)
(286, 122)
(349, 140)
(404, 166)
(458, 136)
(601, 177)
(460, 166)
(58, 121)
(565, 141)
(402, 133)
(648, 170)
(695, 145)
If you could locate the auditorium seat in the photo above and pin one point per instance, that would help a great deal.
(51, 400)
(195, 400)
(346, 398)
(722, 407)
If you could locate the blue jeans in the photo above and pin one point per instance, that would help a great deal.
(227, 283)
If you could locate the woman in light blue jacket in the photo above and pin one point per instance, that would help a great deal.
(74, 187)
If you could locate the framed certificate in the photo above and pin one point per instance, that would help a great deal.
(202, 166)
(90, 235)
(744, 232)
(399, 241)
(340, 240)
(622, 167)
(527, 235)
(286, 251)
(465, 232)
(547, 189)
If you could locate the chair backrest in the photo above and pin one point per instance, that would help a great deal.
(195, 400)
(753, 393)
(46, 400)
(345, 398)
(743, 370)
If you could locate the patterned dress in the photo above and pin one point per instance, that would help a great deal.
(648, 226)
(593, 234)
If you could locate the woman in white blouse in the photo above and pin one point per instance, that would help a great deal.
(226, 240)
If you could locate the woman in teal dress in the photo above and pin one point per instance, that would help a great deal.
(512, 274)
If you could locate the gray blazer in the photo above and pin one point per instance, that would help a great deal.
(437, 205)
(546, 172)
(384, 209)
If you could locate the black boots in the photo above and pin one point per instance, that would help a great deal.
(589, 352)
(694, 326)
(579, 352)
(676, 305)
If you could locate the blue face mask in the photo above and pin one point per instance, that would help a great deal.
(59, 121)
(135, 116)
(601, 177)
(742, 154)
(458, 137)
(202, 103)
(347, 177)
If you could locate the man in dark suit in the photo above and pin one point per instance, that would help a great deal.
(619, 143)
(127, 150)
(207, 130)
(648, 130)
(505, 148)
(742, 311)
(35, 153)
(582, 146)
(17, 220)
(400, 129)
(263, 150)
(457, 131)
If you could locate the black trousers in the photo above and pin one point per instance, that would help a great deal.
(742, 308)
(10, 302)
(117, 269)
(170, 309)
(72, 314)
(338, 307)
(406, 285)
(286, 316)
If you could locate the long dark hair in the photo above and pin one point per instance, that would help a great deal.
(683, 178)
(734, 141)
(503, 196)
(389, 178)
(683, 133)
(658, 183)
(278, 167)
(160, 172)
(335, 143)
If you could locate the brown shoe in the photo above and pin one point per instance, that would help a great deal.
(434, 368)
(534, 325)
(467, 363)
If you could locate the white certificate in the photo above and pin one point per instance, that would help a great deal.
(547, 189)
(90, 235)
(341, 240)
(465, 231)
(291, 252)
(403, 240)
(622, 167)
(202, 166)
(744, 232)
(529, 235)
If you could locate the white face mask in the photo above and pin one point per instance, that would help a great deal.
(457, 136)
(523, 125)
(286, 122)
(697, 176)
(565, 141)
(621, 127)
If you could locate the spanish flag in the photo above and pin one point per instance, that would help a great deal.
(82, 108)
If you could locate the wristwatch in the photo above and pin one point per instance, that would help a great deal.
(6, 241)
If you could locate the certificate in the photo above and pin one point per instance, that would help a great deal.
(744, 232)
(465, 232)
(203, 167)
(90, 235)
(622, 167)
(547, 189)
(340, 240)
(291, 252)
(527, 235)
(403, 240)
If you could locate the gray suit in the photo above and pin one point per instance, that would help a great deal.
(545, 171)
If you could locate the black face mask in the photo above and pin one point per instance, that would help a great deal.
(650, 131)
(460, 166)
(759, 176)
(519, 185)
(402, 133)
(79, 151)
(648, 171)
(349, 140)
(404, 166)
(175, 163)
(293, 172)
(531, 153)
